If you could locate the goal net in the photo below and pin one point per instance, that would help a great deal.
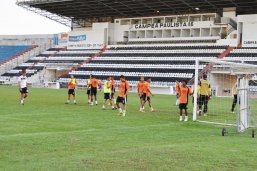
(226, 93)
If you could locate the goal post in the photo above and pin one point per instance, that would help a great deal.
(196, 89)
(233, 102)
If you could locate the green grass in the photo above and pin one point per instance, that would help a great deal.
(46, 134)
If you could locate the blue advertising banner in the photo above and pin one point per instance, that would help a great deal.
(78, 38)
(56, 39)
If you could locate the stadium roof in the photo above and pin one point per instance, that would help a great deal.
(64, 11)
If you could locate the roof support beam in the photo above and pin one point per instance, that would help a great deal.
(164, 3)
(109, 7)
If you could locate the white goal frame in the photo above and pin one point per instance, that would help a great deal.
(248, 70)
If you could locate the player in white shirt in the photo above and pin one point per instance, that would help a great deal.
(23, 86)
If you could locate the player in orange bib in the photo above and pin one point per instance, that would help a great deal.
(140, 92)
(72, 83)
(146, 95)
(184, 92)
(122, 97)
(94, 84)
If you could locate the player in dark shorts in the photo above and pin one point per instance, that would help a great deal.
(94, 84)
(184, 93)
(122, 97)
(140, 92)
(72, 83)
(146, 95)
(23, 87)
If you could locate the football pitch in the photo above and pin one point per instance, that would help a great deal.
(46, 134)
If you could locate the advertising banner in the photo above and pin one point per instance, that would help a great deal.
(85, 40)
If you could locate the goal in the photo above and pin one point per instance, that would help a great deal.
(233, 100)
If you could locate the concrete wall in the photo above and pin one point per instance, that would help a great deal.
(96, 38)
(223, 84)
(51, 75)
(158, 28)
(230, 42)
(248, 26)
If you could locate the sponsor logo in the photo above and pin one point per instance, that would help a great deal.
(64, 35)
(78, 38)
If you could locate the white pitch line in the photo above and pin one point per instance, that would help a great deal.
(78, 131)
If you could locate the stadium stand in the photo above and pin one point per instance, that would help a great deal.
(161, 44)
(33, 65)
(164, 64)
(53, 57)
(9, 52)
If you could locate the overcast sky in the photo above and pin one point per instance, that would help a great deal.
(15, 20)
